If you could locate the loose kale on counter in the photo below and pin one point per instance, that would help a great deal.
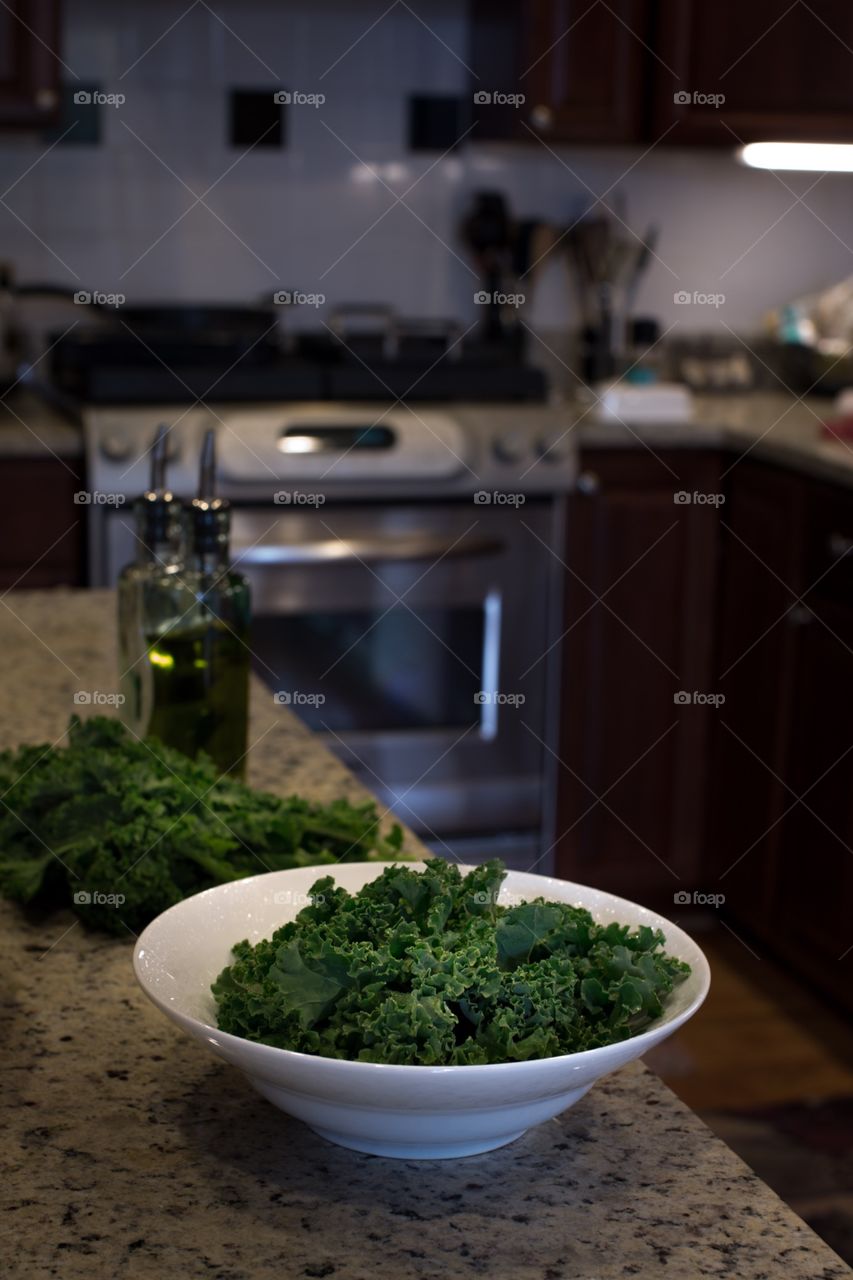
(108, 817)
(427, 968)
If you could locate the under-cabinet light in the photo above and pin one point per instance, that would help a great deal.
(820, 157)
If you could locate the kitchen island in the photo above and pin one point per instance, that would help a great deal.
(130, 1153)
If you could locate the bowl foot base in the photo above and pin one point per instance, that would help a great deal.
(417, 1150)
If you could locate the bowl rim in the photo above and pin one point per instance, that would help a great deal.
(321, 1062)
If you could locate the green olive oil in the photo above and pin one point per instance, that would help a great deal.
(193, 670)
(198, 677)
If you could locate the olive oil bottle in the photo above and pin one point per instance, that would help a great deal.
(196, 677)
(158, 535)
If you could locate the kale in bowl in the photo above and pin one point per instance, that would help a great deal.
(429, 968)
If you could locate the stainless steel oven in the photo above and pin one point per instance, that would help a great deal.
(406, 568)
(412, 636)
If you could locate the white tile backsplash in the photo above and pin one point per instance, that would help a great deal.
(161, 41)
(95, 46)
(281, 218)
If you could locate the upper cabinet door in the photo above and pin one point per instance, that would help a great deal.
(29, 62)
(583, 71)
(579, 64)
(785, 72)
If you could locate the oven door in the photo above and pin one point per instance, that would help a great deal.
(412, 637)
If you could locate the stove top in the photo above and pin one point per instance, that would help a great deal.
(163, 355)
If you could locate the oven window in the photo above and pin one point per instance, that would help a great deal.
(375, 670)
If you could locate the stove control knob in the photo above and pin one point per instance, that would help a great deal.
(555, 448)
(510, 447)
(116, 446)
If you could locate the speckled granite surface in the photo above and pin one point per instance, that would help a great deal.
(129, 1154)
(766, 427)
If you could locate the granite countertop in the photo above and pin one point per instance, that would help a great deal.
(32, 428)
(762, 425)
(131, 1154)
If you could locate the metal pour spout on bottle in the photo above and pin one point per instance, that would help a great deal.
(158, 533)
(196, 631)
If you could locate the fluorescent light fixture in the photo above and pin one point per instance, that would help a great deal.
(818, 157)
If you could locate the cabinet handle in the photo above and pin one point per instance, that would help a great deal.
(588, 483)
(839, 546)
(800, 616)
(542, 117)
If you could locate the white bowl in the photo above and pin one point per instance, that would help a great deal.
(404, 1111)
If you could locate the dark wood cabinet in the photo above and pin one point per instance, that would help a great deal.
(761, 576)
(812, 906)
(780, 799)
(785, 72)
(29, 63)
(639, 633)
(584, 70)
(680, 72)
(813, 891)
(749, 603)
(42, 529)
(579, 66)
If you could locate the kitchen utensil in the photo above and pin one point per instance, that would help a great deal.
(488, 231)
(641, 258)
(608, 268)
(407, 1112)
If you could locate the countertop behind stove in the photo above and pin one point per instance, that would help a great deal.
(32, 428)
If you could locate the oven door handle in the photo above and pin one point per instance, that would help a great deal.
(364, 550)
(491, 663)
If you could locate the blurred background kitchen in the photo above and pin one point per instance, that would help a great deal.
(525, 331)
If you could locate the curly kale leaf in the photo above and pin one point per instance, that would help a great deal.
(428, 968)
(108, 817)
